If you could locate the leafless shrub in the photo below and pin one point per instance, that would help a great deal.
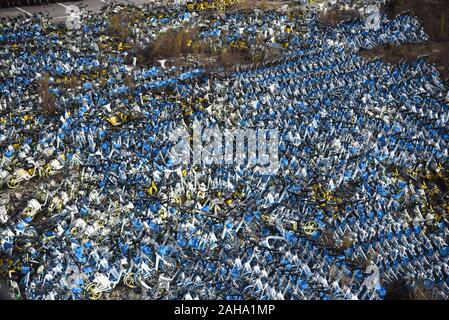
(333, 17)
(347, 242)
(173, 44)
(118, 26)
(233, 57)
(169, 44)
(327, 239)
(129, 82)
(73, 83)
(422, 293)
(398, 290)
(47, 100)
(337, 274)
(247, 4)
(250, 5)
(264, 54)
(362, 263)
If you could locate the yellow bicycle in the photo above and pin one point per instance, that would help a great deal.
(310, 227)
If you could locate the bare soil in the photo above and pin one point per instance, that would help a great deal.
(433, 15)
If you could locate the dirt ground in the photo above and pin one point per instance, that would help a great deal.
(434, 17)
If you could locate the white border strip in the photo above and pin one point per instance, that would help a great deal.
(63, 5)
(24, 11)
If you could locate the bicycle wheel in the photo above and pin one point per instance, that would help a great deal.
(129, 280)
(145, 281)
(92, 291)
(12, 182)
(169, 266)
